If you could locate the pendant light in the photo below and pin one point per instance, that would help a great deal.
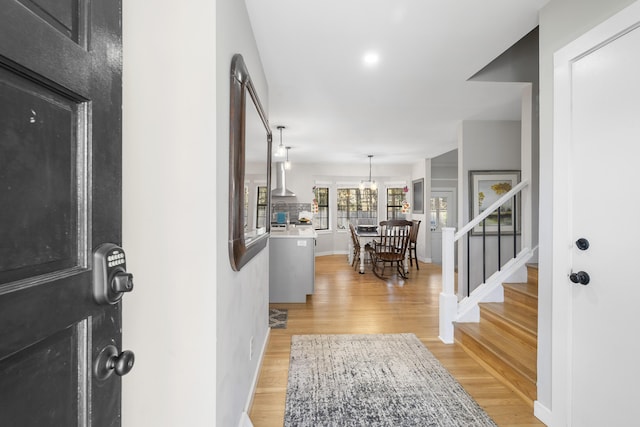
(287, 163)
(280, 152)
(369, 184)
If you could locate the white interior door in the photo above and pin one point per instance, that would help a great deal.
(603, 139)
(442, 214)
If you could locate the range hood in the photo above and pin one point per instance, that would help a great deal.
(281, 183)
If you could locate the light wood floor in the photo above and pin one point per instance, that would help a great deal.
(346, 302)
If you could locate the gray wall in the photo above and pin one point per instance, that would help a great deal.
(561, 21)
(444, 175)
(520, 63)
(484, 145)
(243, 296)
(444, 170)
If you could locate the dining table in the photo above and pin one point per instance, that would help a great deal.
(365, 237)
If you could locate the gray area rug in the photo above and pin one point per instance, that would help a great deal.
(373, 380)
(278, 318)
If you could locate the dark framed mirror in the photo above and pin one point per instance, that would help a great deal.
(249, 169)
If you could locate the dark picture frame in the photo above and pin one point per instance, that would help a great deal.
(417, 192)
(485, 188)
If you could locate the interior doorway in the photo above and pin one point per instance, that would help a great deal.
(442, 214)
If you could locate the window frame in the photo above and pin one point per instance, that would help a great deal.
(400, 194)
(264, 205)
(354, 215)
(317, 206)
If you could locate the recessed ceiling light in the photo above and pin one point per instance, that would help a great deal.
(371, 58)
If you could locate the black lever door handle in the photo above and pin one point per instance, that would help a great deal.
(581, 277)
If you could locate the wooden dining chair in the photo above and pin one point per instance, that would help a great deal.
(355, 241)
(391, 246)
(413, 242)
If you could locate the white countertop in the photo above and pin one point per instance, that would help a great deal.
(295, 232)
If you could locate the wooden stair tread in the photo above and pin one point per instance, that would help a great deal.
(511, 351)
(521, 381)
(529, 289)
(506, 339)
(523, 293)
(518, 315)
(532, 273)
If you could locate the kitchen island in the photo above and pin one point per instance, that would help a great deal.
(291, 264)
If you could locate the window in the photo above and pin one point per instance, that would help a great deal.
(246, 207)
(395, 199)
(357, 206)
(320, 208)
(261, 204)
(439, 208)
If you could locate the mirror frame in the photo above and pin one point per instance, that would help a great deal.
(242, 89)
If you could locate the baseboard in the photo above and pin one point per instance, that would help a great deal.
(245, 421)
(345, 253)
(425, 260)
(244, 418)
(542, 413)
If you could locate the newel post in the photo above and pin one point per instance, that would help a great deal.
(448, 298)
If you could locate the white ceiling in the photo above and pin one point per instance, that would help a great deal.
(411, 104)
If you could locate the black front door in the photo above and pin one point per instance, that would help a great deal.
(60, 198)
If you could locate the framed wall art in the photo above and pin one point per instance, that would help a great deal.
(485, 188)
(417, 192)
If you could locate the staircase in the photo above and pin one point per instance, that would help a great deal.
(505, 340)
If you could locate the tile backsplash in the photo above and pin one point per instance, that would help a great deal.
(293, 209)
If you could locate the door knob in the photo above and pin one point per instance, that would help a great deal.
(581, 277)
(109, 361)
(582, 244)
(123, 363)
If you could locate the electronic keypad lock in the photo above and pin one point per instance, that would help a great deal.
(110, 277)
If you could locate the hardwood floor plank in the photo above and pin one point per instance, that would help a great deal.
(346, 302)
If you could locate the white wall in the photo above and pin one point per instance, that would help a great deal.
(191, 317)
(561, 21)
(169, 212)
(484, 145)
(422, 169)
